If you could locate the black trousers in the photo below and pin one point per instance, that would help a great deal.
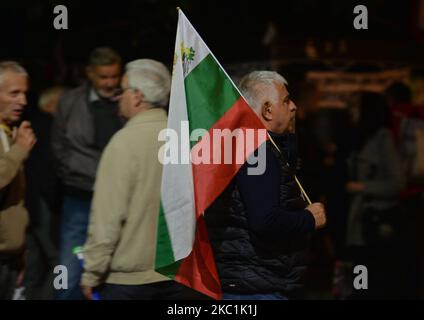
(165, 290)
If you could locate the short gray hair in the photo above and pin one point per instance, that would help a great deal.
(152, 78)
(250, 82)
(11, 66)
(104, 56)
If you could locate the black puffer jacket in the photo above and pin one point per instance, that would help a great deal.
(249, 263)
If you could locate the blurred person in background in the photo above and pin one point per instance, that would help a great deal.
(86, 118)
(399, 100)
(119, 254)
(408, 129)
(43, 201)
(15, 146)
(322, 170)
(375, 182)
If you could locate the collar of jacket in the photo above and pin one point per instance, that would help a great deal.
(4, 138)
(92, 95)
(281, 139)
(6, 130)
(154, 114)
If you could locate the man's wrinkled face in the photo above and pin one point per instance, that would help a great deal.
(105, 79)
(283, 110)
(13, 100)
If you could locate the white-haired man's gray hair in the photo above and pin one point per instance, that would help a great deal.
(10, 66)
(152, 78)
(250, 85)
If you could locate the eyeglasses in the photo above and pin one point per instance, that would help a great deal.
(120, 91)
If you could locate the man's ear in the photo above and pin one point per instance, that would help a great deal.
(138, 97)
(266, 111)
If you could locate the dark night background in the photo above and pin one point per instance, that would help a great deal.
(234, 30)
(293, 37)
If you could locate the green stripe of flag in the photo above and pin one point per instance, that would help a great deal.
(164, 252)
(209, 94)
(171, 270)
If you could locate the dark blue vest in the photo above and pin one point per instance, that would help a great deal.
(250, 264)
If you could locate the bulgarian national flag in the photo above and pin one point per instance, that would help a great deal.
(202, 97)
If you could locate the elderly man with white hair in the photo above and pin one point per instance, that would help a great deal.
(120, 250)
(15, 146)
(259, 225)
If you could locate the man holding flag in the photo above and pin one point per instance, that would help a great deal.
(218, 233)
(258, 226)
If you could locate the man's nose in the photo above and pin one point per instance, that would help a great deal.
(22, 100)
(112, 83)
(293, 106)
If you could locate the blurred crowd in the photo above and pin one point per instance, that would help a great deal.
(364, 162)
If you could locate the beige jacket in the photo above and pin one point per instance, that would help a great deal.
(121, 243)
(13, 215)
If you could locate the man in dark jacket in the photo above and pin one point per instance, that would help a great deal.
(43, 201)
(87, 117)
(258, 227)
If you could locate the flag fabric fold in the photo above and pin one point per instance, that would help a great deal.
(204, 97)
